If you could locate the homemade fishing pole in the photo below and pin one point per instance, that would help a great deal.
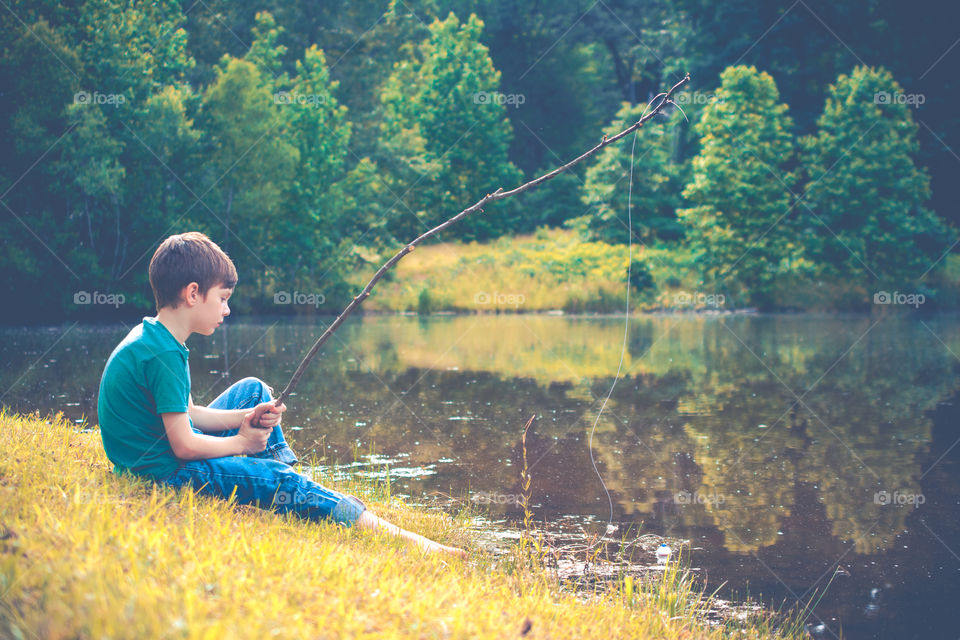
(499, 194)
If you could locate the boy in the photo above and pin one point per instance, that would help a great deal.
(151, 427)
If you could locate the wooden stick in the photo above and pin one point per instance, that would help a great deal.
(499, 194)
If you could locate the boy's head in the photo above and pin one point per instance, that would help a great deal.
(186, 258)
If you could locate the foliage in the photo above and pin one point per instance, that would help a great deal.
(655, 193)
(96, 116)
(248, 163)
(421, 107)
(445, 132)
(552, 269)
(741, 190)
(865, 198)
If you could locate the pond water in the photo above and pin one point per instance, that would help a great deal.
(788, 450)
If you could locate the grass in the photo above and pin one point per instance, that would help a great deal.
(552, 269)
(555, 269)
(84, 553)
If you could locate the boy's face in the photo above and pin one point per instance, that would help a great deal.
(212, 309)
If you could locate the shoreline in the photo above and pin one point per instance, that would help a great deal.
(311, 318)
(87, 553)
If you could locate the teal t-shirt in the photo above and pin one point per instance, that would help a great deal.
(146, 375)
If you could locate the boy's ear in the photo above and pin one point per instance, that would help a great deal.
(190, 294)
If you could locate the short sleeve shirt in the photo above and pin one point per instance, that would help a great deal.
(146, 375)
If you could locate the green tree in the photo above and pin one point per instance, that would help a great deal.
(741, 217)
(130, 159)
(34, 229)
(865, 196)
(445, 133)
(250, 163)
(95, 111)
(656, 189)
(309, 236)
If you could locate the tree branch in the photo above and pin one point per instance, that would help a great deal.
(499, 194)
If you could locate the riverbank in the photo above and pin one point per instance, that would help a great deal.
(86, 554)
(550, 270)
(554, 270)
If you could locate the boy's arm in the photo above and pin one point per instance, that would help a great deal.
(188, 445)
(215, 420)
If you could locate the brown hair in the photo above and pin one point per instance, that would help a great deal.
(184, 258)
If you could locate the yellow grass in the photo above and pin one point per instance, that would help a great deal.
(552, 269)
(85, 554)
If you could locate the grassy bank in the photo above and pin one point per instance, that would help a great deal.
(86, 554)
(549, 270)
(553, 269)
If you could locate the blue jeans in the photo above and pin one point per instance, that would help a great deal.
(266, 479)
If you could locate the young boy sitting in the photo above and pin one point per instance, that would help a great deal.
(151, 427)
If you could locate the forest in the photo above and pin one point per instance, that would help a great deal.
(808, 164)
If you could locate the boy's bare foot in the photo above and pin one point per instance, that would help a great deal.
(435, 547)
(369, 520)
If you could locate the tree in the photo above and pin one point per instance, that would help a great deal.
(84, 154)
(249, 161)
(445, 132)
(865, 197)
(306, 238)
(34, 228)
(741, 216)
(656, 189)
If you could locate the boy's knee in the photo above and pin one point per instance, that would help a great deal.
(252, 381)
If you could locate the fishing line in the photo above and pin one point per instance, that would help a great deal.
(626, 316)
(626, 329)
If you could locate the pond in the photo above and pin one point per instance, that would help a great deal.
(788, 450)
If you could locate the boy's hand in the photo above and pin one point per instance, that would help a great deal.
(268, 414)
(257, 425)
(254, 439)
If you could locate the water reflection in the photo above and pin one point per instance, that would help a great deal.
(795, 441)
